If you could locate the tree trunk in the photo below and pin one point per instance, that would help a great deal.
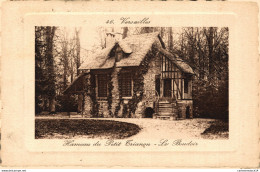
(50, 67)
(170, 40)
(52, 105)
(210, 49)
(80, 103)
(77, 51)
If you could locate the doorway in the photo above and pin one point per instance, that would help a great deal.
(167, 88)
(148, 113)
(157, 85)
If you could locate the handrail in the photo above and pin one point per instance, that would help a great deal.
(157, 95)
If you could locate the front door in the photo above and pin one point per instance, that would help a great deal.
(167, 88)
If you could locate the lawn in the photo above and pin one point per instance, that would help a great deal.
(83, 128)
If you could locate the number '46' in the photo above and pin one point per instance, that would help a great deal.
(110, 22)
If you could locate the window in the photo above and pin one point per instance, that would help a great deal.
(186, 85)
(126, 84)
(102, 85)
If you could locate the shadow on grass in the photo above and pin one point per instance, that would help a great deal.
(218, 129)
(87, 128)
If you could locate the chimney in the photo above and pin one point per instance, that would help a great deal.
(112, 37)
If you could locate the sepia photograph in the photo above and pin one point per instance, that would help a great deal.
(131, 82)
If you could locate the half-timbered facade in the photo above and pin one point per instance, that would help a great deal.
(134, 77)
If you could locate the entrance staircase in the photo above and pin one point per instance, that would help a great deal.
(167, 109)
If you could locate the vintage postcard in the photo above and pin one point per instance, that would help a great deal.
(130, 84)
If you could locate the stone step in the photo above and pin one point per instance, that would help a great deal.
(163, 107)
(170, 109)
(166, 110)
(167, 107)
(166, 114)
(166, 103)
(163, 117)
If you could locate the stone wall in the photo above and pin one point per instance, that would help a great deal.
(149, 87)
(182, 107)
(103, 109)
(87, 106)
(115, 91)
(87, 101)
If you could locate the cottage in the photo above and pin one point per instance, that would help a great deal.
(134, 78)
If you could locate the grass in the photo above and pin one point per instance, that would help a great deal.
(83, 128)
(218, 129)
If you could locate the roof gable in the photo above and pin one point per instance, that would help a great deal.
(140, 45)
(135, 47)
(180, 63)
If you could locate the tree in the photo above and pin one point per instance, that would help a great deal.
(170, 39)
(67, 62)
(51, 91)
(206, 50)
(77, 31)
(40, 78)
(44, 69)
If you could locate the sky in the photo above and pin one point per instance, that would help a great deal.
(90, 39)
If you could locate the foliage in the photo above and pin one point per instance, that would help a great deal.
(109, 97)
(57, 58)
(217, 130)
(92, 94)
(66, 103)
(118, 106)
(206, 50)
(44, 69)
(209, 101)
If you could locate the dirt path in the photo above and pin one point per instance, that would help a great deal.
(157, 129)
